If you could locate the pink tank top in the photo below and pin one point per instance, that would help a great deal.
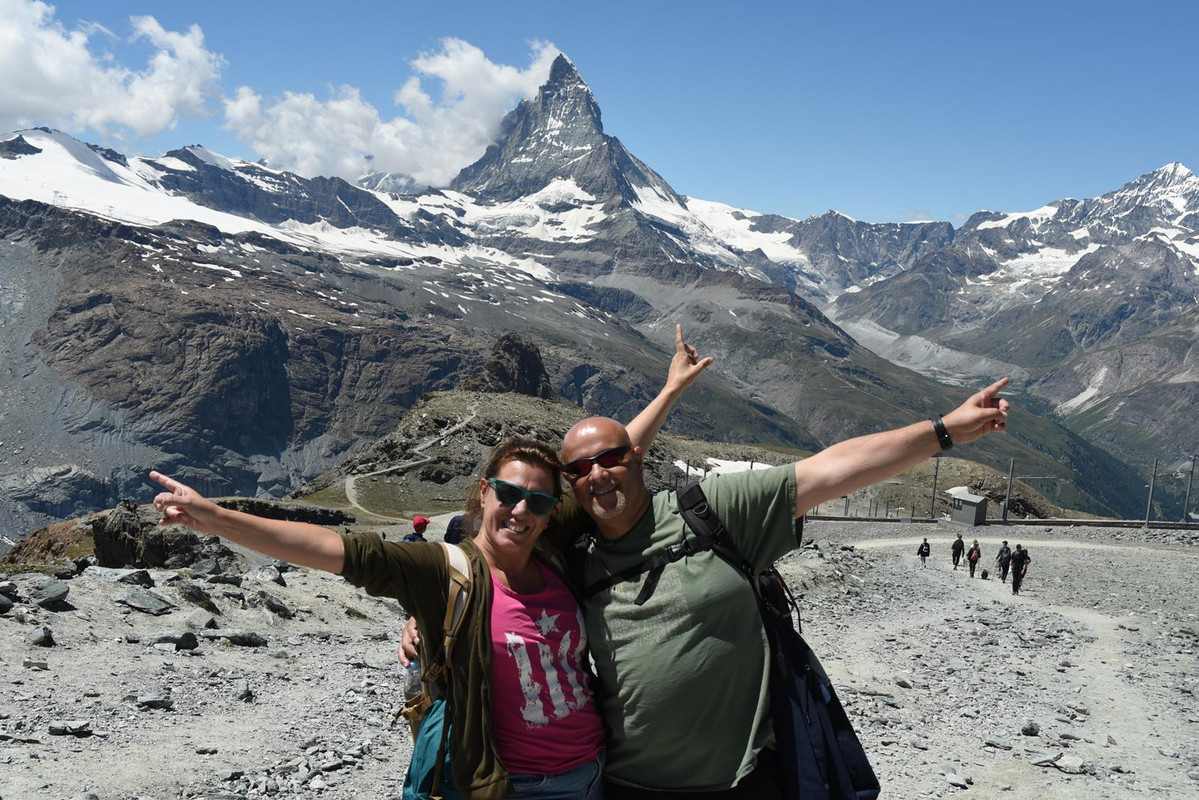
(543, 714)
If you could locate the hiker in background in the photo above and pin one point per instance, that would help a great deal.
(418, 530)
(456, 528)
(1020, 562)
(924, 550)
(957, 549)
(1003, 560)
(973, 555)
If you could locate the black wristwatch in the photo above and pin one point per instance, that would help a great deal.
(942, 433)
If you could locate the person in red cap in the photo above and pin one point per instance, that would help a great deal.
(418, 530)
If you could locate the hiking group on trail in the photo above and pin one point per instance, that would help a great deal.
(579, 669)
(1005, 559)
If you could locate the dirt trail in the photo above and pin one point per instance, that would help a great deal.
(1088, 650)
(351, 481)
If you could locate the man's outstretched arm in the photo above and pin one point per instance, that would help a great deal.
(865, 460)
(685, 367)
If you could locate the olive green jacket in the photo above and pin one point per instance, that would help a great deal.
(414, 573)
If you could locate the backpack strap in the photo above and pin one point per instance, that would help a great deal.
(458, 595)
(710, 534)
(773, 594)
(709, 528)
(654, 565)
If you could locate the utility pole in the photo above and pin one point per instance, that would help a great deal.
(932, 501)
(1149, 505)
(1007, 501)
(1186, 504)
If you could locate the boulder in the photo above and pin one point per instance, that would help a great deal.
(146, 602)
(49, 594)
(40, 636)
(123, 539)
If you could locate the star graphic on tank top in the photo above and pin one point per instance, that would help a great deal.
(547, 623)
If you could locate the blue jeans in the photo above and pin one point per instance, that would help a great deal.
(584, 782)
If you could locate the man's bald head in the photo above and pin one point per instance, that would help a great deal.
(593, 429)
(611, 489)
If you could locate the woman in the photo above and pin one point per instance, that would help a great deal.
(525, 722)
(973, 555)
(521, 702)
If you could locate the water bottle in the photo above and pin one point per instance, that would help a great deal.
(412, 684)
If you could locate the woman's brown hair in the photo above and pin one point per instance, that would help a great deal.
(529, 451)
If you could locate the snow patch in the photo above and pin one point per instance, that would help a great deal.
(1042, 213)
(716, 466)
(733, 225)
(1080, 400)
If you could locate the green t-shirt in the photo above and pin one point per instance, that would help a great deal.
(685, 678)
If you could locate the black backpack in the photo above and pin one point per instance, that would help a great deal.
(819, 754)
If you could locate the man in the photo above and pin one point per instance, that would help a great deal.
(418, 530)
(1003, 560)
(693, 657)
(957, 549)
(1020, 562)
(455, 529)
(924, 550)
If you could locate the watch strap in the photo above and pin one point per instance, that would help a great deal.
(943, 437)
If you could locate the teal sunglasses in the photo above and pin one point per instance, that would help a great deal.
(509, 494)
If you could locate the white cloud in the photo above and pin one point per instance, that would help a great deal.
(448, 112)
(435, 138)
(49, 74)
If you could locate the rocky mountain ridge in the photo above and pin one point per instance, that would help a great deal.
(249, 328)
(1095, 301)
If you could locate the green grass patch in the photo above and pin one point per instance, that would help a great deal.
(333, 496)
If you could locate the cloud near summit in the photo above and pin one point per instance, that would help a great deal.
(435, 137)
(445, 114)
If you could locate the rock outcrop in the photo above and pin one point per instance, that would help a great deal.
(124, 539)
(515, 365)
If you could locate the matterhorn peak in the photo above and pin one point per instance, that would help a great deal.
(564, 73)
(558, 136)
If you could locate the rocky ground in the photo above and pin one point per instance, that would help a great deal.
(1081, 687)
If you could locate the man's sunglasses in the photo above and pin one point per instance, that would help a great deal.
(605, 458)
(509, 494)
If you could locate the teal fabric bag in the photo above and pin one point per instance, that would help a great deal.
(422, 769)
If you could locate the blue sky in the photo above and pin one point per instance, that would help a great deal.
(884, 111)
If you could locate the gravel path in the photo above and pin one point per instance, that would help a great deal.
(1098, 652)
(940, 673)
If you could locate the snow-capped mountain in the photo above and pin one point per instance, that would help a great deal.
(247, 327)
(1095, 302)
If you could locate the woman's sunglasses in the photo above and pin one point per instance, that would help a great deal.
(509, 494)
(605, 458)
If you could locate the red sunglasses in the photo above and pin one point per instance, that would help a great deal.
(605, 458)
